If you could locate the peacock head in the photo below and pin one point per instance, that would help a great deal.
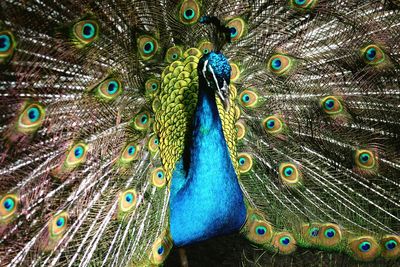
(214, 70)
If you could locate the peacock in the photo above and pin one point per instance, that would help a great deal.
(133, 130)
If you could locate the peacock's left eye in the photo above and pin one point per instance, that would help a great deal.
(58, 224)
(365, 159)
(303, 4)
(189, 12)
(127, 200)
(110, 89)
(86, 31)
(173, 53)
(31, 118)
(148, 46)
(280, 64)
(237, 28)
(373, 55)
(8, 206)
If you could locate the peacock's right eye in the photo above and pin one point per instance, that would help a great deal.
(86, 31)
(280, 64)
(31, 118)
(189, 12)
(110, 89)
(148, 46)
(8, 206)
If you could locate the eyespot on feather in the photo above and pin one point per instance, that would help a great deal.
(8, 207)
(373, 55)
(365, 159)
(272, 125)
(76, 155)
(248, 99)
(303, 4)
(289, 173)
(364, 248)
(284, 243)
(331, 235)
(109, 89)
(153, 144)
(280, 64)
(7, 45)
(235, 72)
(142, 121)
(245, 162)
(173, 53)
(390, 246)
(127, 200)
(147, 46)
(331, 105)
(241, 130)
(158, 178)
(31, 118)
(58, 225)
(130, 153)
(152, 86)
(86, 32)
(237, 28)
(206, 47)
(189, 12)
(260, 232)
(160, 249)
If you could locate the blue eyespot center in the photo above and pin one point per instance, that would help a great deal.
(174, 56)
(112, 87)
(314, 232)
(129, 197)
(60, 222)
(288, 171)
(144, 119)
(5, 42)
(189, 14)
(285, 240)
(364, 157)
(88, 31)
(329, 104)
(371, 54)
(330, 233)
(365, 246)
(156, 142)
(261, 230)
(131, 150)
(233, 31)
(391, 244)
(154, 86)
(242, 161)
(148, 47)
(205, 51)
(78, 152)
(300, 2)
(9, 204)
(246, 98)
(160, 250)
(276, 64)
(33, 114)
(270, 124)
(160, 174)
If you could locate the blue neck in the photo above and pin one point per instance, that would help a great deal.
(206, 199)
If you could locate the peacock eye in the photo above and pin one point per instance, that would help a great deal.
(237, 27)
(31, 118)
(153, 144)
(313, 232)
(364, 246)
(86, 31)
(160, 249)
(148, 46)
(189, 12)
(285, 240)
(235, 72)
(303, 4)
(130, 153)
(158, 177)
(331, 105)
(289, 173)
(248, 99)
(330, 233)
(142, 121)
(76, 155)
(173, 53)
(127, 200)
(5, 42)
(58, 225)
(260, 231)
(373, 55)
(272, 125)
(206, 47)
(365, 159)
(245, 162)
(152, 85)
(391, 245)
(8, 206)
(109, 89)
(280, 64)
(241, 130)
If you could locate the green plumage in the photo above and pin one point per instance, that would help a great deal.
(96, 103)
